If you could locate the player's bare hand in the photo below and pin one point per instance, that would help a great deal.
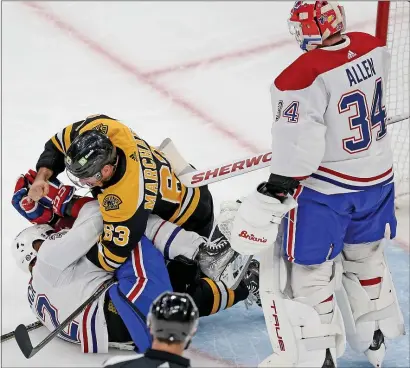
(38, 189)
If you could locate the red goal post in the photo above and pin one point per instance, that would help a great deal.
(392, 26)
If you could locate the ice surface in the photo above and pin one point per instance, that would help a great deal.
(198, 72)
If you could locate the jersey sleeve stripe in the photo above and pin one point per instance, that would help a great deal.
(169, 242)
(191, 207)
(111, 256)
(61, 137)
(184, 194)
(103, 263)
(56, 143)
(67, 137)
(159, 228)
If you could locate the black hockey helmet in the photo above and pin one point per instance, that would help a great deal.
(173, 317)
(88, 153)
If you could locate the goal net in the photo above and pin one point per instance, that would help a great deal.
(393, 19)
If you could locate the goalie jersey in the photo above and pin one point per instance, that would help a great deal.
(329, 128)
(143, 183)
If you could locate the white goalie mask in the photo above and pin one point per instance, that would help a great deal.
(22, 246)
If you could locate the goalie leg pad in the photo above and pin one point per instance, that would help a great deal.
(368, 300)
(299, 334)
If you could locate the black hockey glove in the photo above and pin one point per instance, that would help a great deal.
(278, 186)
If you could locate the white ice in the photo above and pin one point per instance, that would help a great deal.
(198, 72)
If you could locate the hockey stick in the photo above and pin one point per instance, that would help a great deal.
(30, 327)
(33, 326)
(196, 178)
(23, 339)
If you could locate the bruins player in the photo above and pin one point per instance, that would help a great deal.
(130, 179)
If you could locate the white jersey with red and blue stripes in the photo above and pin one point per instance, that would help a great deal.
(63, 278)
(329, 128)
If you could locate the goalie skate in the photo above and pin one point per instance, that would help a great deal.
(377, 350)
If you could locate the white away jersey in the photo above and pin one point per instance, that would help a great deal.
(63, 278)
(329, 126)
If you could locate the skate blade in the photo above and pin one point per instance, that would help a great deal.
(233, 282)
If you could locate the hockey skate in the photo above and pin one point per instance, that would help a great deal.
(377, 349)
(251, 280)
(219, 261)
(215, 255)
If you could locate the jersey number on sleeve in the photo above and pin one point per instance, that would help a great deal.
(120, 234)
(362, 120)
(291, 112)
(44, 306)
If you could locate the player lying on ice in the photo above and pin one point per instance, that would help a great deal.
(131, 180)
(63, 275)
(331, 189)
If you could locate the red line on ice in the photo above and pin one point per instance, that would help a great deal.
(139, 75)
(237, 54)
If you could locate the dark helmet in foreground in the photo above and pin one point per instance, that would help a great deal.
(173, 317)
(89, 153)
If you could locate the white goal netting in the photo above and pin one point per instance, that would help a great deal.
(397, 103)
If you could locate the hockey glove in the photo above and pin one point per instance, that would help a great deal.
(43, 211)
(257, 221)
(35, 212)
(63, 196)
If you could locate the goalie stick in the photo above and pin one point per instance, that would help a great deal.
(21, 333)
(198, 178)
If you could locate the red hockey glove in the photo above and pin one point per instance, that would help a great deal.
(35, 212)
(61, 199)
(43, 211)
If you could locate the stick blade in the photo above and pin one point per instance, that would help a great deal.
(23, 341)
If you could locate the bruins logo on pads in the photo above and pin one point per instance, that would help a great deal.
(111, 202)
(102, 128)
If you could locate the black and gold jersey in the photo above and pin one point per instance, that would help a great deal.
(143, 183)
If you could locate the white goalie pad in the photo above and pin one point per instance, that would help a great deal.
(299, 337)
(368, 299)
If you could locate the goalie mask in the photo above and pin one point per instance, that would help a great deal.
(22, 246)
(86, 157)
(173, 317)
(312, 22)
